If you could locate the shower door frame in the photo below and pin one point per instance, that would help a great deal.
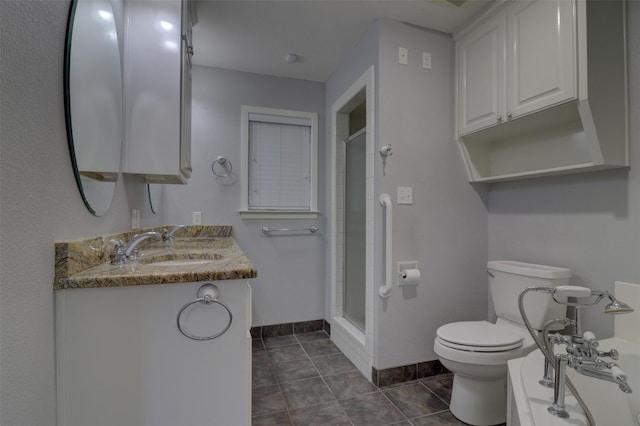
(357, 345)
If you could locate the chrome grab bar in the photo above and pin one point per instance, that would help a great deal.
(385, 201)
(266, 230)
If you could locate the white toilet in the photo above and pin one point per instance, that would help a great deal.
(477, 351)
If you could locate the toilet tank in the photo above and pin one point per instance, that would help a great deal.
(508, 278)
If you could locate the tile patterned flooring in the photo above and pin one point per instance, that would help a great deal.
(304, 379)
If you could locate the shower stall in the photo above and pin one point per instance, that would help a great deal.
(352, 213)
(355, 228)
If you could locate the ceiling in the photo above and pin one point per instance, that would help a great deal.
(256, 35)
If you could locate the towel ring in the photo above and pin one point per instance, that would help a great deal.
(207, 294)
(225, 164)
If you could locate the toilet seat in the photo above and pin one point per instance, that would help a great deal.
(472, 352)
(479, 336)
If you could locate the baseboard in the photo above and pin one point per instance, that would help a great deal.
(407, 373)
(290, 328)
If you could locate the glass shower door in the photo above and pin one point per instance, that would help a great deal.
(355, 230)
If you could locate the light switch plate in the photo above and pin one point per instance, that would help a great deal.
(426, 60)
(405, 195)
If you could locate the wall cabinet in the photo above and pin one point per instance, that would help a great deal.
(157, 87)
(530, 76)
(519, 61)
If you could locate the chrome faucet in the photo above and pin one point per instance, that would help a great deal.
(582, 354)
(122, 253)
(583, 357)
(168, 235)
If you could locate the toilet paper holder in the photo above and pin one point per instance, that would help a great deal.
(403, 268)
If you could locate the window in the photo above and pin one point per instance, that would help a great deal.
(279, 167)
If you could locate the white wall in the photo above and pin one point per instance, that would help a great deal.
(445, 229)
(290, 283)
(587, 222)
(40, 204)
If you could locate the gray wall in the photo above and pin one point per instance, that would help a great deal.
(40, 204)
(290, 283)
(359, 59)
(445, 229)
(588, 222)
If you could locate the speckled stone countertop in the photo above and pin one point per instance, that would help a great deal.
(215, 255)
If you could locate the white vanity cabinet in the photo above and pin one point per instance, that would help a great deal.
(516, 62)
(541, 89)
(157, 89)
(121, 359)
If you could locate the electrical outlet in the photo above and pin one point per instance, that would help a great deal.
(403, 55)
(426, 60)
(405, 195)
(197, 218)
(135, 219)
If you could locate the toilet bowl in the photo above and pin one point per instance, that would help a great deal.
(477, 351)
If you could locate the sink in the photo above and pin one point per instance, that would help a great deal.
(179, 259)
(181, 262)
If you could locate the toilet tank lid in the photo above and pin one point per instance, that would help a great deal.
(529, 269)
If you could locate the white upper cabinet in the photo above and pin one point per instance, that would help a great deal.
(541, 55)
(481, 75)
(542, 89)
(157, 87)
(518, 61)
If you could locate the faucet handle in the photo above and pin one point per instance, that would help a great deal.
(118, 254)
(613, 354)
(589, 339)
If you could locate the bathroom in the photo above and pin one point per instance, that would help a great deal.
(588, 222)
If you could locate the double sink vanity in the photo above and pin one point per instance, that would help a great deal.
(121, 356)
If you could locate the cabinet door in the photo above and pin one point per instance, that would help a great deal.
(185, 111)
(541, 56)
(481, 81)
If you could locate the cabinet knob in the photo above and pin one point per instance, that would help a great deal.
(509, 116)
(499, 118)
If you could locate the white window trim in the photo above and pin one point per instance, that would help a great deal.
(245, 213)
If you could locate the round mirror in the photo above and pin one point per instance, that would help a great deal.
(93, 101)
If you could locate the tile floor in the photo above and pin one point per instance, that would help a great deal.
(304, 379)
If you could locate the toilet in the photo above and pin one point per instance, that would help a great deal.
(477, 351)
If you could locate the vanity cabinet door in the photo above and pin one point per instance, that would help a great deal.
(481, 80)
(541, 55)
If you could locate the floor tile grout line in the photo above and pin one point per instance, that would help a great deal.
(435, 394)
(286, 404)
(325, 382)
(396, 407)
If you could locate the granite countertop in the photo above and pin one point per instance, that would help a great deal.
(210, 251)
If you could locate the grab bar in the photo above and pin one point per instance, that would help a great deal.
(385, 201)
(266, 230)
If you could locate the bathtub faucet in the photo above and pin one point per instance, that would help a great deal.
(583, 357)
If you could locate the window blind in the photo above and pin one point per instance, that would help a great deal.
(279, 164)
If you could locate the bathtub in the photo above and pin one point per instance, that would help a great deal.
(528, 401)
